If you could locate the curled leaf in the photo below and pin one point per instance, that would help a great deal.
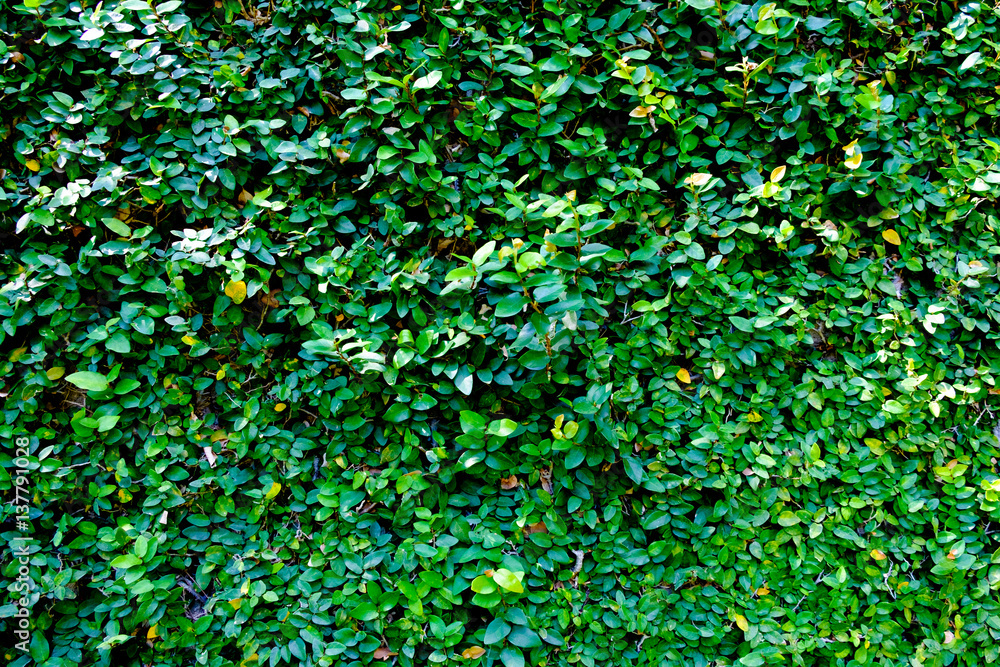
(473, 652)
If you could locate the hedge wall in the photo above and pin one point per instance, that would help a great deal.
(493, 333)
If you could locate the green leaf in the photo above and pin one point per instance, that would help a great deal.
(428, 81)
(397, 413)
(511, 304)
(88, 380)
(509, 580)
(126, 561)
(496, 631)
(512, 657)
(633, 468)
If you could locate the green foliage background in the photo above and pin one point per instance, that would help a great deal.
(491, 333)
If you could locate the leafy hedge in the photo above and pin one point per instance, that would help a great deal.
(537, 333)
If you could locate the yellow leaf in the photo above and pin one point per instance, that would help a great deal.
(571, 195)
(342, 155)
(273, 491)
(190, 340)
(641, 111)
(754, 417)
(236, 603)
(854, 161)
(684, 376)
(280, 407)
(18, 353)
(763, 590)
(237, 291)
(152, 633)
(697, 180)
(878, 555)
(851, 147)
(778, 174)
(891, 236)
(741, 622)
(55, 373)
(32, 165)
(221, 374)
(473, 652)
(124, 496)
(249, 659)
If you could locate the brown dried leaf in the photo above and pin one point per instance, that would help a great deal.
(269, 300)
(473, 652)
(545, 476)
(383, 653)
(508, 483)
(533, 528)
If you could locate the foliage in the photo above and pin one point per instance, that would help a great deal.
(542, 333)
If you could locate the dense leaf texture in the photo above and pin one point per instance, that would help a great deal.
(541, 333)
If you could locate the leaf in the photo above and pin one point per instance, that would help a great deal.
(383, 653)
(778, 174)
(33, 165)
(633, 468)
(511, 304)
(970, 61)
(854, 161)
(55, 373)
(483, 584)
(237, 291)
(273, 491)
(397, 413)
(787, 518)
(496, 631)
(508, 580)
(88, 381)
(428, 81)
(126, 561)
(891, 236)
(473, 652)
(641, 111)
(701, 5)
(508, 483)
(878, 554)
(684, 376)
(698, 180)
(741, 622)
(512, 657)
